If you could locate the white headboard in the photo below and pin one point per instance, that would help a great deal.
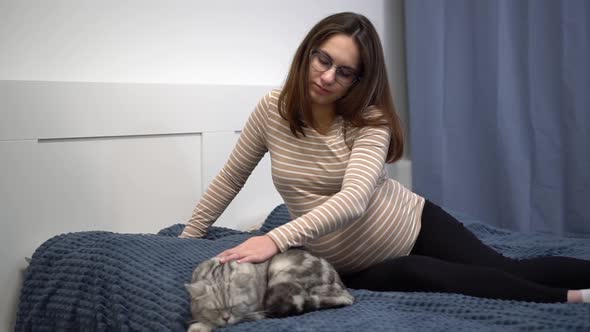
(114, 156)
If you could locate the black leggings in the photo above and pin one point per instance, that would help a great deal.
(447, 257)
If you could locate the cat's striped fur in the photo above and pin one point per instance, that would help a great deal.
(291, 283)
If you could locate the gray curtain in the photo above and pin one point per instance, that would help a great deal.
(499, 106)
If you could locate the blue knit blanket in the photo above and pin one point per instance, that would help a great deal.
(103, 281)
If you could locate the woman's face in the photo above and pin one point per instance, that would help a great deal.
(332, 66)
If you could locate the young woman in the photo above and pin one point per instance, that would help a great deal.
(329, 131)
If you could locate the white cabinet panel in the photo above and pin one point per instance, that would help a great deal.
(136, 185)
(258, 197)
(121, 184)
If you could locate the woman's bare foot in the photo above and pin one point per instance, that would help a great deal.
(574, 296)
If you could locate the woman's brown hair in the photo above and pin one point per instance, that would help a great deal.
(371, 90)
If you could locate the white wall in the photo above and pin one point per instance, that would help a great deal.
(143, 41)
(175, 41)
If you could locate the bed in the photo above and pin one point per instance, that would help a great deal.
(105, 281)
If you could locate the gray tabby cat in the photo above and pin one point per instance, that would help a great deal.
(291, 283)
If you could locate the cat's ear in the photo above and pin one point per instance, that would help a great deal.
(198, 289)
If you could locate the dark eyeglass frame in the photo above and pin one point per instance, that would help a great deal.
(324, 57)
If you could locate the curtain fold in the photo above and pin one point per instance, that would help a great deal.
(499, 110)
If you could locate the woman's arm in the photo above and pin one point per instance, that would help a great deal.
(248, 151)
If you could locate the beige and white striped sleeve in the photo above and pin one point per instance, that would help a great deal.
(367, 160)
(248, 151)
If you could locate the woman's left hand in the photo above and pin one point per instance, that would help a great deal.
(254, 250)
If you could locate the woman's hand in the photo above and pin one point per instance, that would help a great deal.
(254, 250)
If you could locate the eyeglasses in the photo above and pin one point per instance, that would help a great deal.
(322, 62)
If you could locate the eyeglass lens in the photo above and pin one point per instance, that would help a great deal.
(322, 63)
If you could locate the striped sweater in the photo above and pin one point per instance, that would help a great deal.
(343, 205)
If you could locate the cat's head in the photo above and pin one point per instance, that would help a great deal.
(225, 294)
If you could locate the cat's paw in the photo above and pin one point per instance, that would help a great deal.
(346, 299)
(200, 327)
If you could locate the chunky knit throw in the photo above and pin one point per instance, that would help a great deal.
(103, 281)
